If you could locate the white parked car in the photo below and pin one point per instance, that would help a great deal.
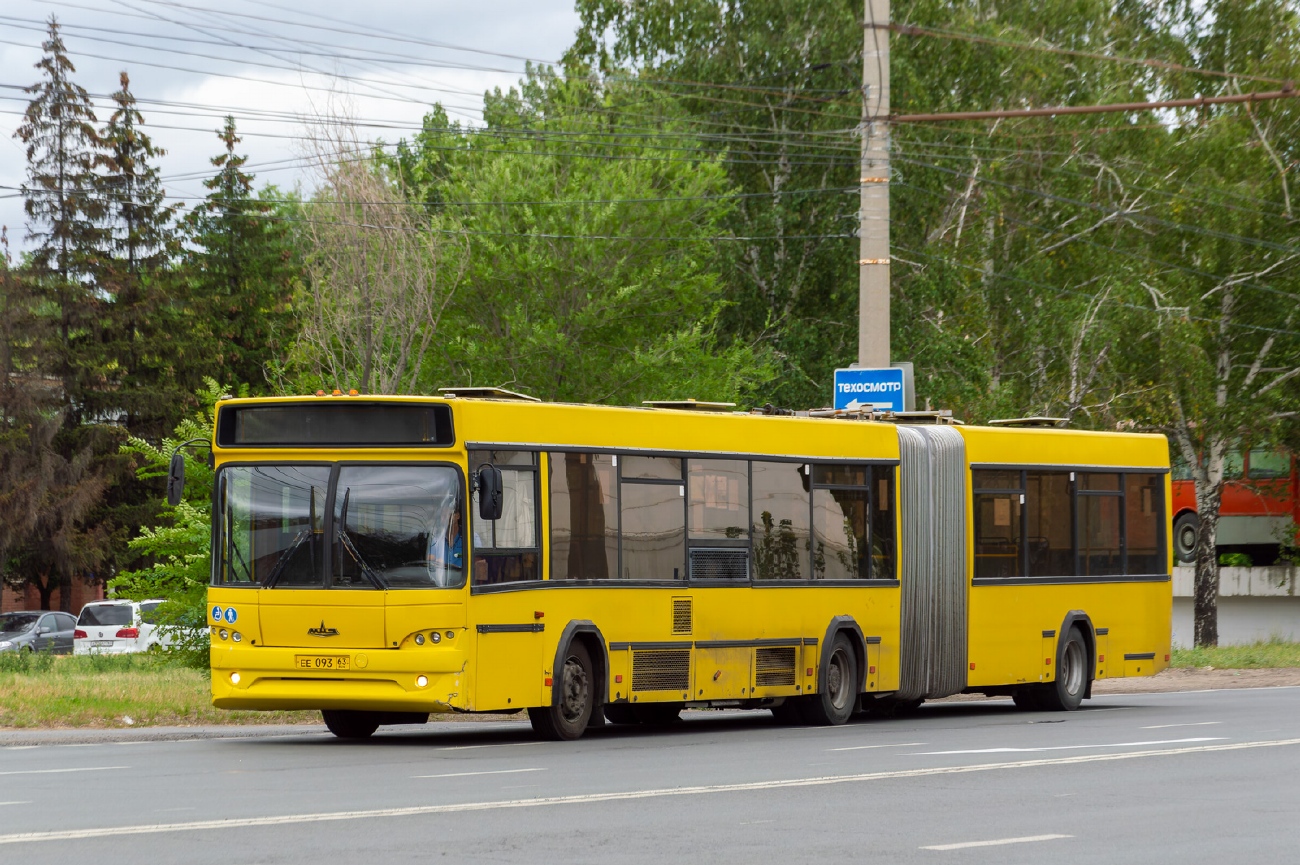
(117, 627)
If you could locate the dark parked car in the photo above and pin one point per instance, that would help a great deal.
(36, 631)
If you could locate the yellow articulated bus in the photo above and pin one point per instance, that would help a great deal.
(384, 558)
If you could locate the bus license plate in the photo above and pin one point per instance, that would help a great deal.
(320, 662)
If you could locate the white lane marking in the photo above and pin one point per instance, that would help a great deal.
(19, 747)
(467, 774)
(997, 843)
(588, 798)
(1197, 724)
(872, 747)
(23, 802)
(1068, 747)
(496, 745)
(61, 771)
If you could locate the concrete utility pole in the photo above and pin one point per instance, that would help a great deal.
(873, 256)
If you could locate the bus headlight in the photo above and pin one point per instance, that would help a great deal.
(435, 636)
(419, 639)
(234, 678)
(420, 681)
(223, 633)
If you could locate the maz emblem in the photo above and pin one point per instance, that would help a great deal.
(323, 631)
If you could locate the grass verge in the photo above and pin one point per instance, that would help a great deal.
(1256, 656)
(113, 691)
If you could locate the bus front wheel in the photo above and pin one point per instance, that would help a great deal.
(835, 700)
(570, 710)
(348, 724)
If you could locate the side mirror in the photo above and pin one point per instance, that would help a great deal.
(491, 495)
(176, 479)
(47, 629)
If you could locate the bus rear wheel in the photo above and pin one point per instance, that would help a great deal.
(567, 716)
(1066, 693)
(348, 724)
(833, 704)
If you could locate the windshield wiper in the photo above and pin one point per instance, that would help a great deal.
(283, 561)
(341, 527)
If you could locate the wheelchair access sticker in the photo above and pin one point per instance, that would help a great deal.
(216, 613)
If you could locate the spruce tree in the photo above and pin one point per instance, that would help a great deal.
(139, 232)
(144, 330)
(244, 267)
(64, 213)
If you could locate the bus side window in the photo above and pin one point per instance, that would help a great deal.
(652, 498)
(1266, 463)
(506, 550)
(1144, 521)
(998, 497)
(781, 516)
(584, 516)
(1049, 513)
(882, 524)
(1100, 548)
(841, 522)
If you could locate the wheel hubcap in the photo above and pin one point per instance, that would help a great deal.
(576, 689)
(1072, 668)
(835, 680)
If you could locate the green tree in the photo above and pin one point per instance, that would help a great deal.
(144, 323)
(770, 86)
(60, 198)
(175, 555)
(594, 265)
(242, 270)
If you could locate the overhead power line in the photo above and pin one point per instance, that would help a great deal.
(911, 30)
(1287, 92)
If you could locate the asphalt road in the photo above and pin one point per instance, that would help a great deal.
(1191, 777)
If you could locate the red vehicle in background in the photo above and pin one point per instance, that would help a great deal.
(1259, 510)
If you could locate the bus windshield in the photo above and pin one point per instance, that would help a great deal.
(356, 526)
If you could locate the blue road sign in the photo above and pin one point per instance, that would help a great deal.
(869, 388)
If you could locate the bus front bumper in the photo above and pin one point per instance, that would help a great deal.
(382, 680)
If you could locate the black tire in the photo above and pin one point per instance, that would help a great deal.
(1185, 528)
(1072, 675)
(347, 724)
(658, 714)
(788, 713)
(620, 713)
(837, 695)
(567, 716)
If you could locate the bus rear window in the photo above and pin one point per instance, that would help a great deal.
(334, 424)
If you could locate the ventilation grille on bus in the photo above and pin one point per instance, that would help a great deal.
(774, 667)
(661, 670)
(720, 564)
(681, 617)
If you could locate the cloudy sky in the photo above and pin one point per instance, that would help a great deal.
(271, 63)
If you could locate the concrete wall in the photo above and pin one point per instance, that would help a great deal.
(1254, 604)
